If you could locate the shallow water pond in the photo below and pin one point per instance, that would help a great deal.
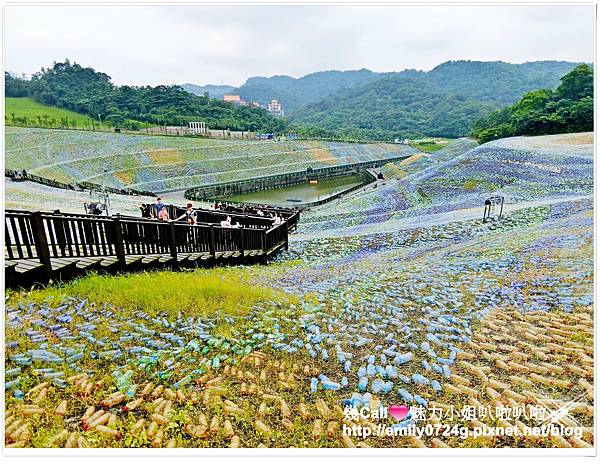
(305, 192)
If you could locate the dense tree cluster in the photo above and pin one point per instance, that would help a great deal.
(568, 109)
(442, 102)
(15, 86)
(84, 90)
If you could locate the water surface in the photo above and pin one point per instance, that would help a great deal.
(305, 192)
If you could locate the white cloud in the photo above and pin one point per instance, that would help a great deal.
(227, 44)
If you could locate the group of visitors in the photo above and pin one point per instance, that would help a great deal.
(261, 210)
(227, 223)
(255, 210)
(160, 211)
(95, 208)
(157, 210)
(19, 175)
(245, 209)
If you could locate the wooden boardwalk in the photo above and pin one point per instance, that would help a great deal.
(44, 246)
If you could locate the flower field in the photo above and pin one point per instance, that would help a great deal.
(397, 296)
(159, 163)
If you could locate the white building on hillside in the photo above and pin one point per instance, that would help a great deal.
(275, 108)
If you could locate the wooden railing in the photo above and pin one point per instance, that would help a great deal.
(18, 236)
(274, 237)
(45, 237)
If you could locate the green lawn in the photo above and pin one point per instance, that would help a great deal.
(211, 293)
(24, 111)
(19, 108)
(431, 145)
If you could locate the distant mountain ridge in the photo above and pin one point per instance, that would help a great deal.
(295, 93)
(215, 91)
(442, 102)
(292, 92)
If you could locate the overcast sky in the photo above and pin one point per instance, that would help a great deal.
(141, 45)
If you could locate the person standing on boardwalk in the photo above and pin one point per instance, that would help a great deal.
(163, 214)
(158, 206)
(145, 208)
(189, 215)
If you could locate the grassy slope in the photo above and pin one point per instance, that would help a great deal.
(27, 107)
(208, 293)
(430, 145)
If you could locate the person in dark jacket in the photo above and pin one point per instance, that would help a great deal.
(158, 206)
(189, 215)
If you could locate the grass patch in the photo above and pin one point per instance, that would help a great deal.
(470, 184)
(430, 145)
(24, 111)
(422, 196)
(36, 114)
(202, 292)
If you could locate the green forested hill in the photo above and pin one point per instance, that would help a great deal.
(498, 82)
(395, 107)
(568, 109)
(442, 102)
(296, 92)
(86, 91)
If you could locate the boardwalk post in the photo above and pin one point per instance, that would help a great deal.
(263, 243)
(285, 223)
(212, 244)
(242, 241)
(41, 242)
(119, 243)
(173, 241)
